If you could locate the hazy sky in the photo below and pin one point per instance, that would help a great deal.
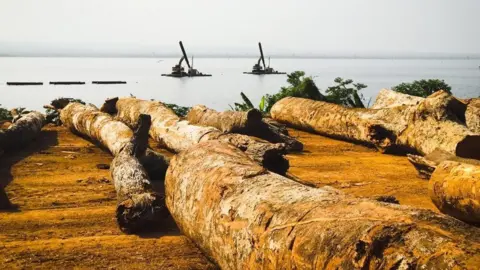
(209, 26)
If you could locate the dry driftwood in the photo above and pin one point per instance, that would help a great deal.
(432, 124)
(178, 135)
(455, 189)
(248, 123)
(388, 99)
(26, 128)
(244, 217)
(138, 204)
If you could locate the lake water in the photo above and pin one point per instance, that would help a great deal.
(223, 88)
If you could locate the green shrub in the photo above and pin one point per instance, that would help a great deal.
(423, 88)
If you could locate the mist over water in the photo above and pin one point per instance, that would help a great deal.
(144, 80)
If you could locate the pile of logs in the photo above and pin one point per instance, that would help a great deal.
(245, 217)
(138, 204)
(178, 135)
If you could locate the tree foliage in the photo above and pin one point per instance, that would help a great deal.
(5, 114)
(345, 92)
(179, 110)
(423, 88)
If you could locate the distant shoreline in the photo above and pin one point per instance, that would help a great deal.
(474, 57)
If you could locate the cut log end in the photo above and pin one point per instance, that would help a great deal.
(254, 116)
(423, 166)
(141, 212)
(469, 147)
(109, 106)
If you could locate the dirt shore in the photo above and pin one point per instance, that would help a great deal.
(63, 214)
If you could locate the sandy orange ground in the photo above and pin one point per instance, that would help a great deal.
(64, 216)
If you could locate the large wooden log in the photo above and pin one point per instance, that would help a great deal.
(248, 123)
(389, 99)
(432, 124)
(138, 204)
(26, 128)
(455, 189)
(244, 217)
(178, 135)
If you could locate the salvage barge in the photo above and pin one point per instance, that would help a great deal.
(259, 70)
(179, 72)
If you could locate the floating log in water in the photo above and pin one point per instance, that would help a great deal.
(433, 123)
(24, 83)
(249, 123)
(178, 135)
(25, 128)
(138, 204)
(65, 83)
(244, 217)
(455, 189)
(109, 82)
(471, 115)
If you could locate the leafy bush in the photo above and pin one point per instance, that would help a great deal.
(179, 110)
(5, 114)
(346, 93)
(423, 88)
(300, 86)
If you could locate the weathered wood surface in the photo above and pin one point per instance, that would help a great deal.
(389, 99)
(455, 189)
(244, 217)
(25, 128)
(248, 123)
(178, 135)
(138, 204)
(432, 124)
(227, 121)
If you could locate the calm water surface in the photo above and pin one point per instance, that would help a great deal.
(144, 80)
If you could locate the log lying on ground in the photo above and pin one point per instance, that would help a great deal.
(26, 128)
(433, 123)
(248, 123)
(178, 135)
(138, 204)
(389, 99)
(455, 189)
(244, 217)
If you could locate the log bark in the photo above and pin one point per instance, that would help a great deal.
(26, 128)
(178, 135)
(244, 217)
(454, 189)
(389, 99)
(137, 202)
(433, 123)
(248, 123)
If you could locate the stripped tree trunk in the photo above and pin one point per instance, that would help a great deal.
(389, 99)
(244, 217)
(455, 189)
(178, 135)
(138, 204)
(433, 123)
(248, 123)
(26, 128)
